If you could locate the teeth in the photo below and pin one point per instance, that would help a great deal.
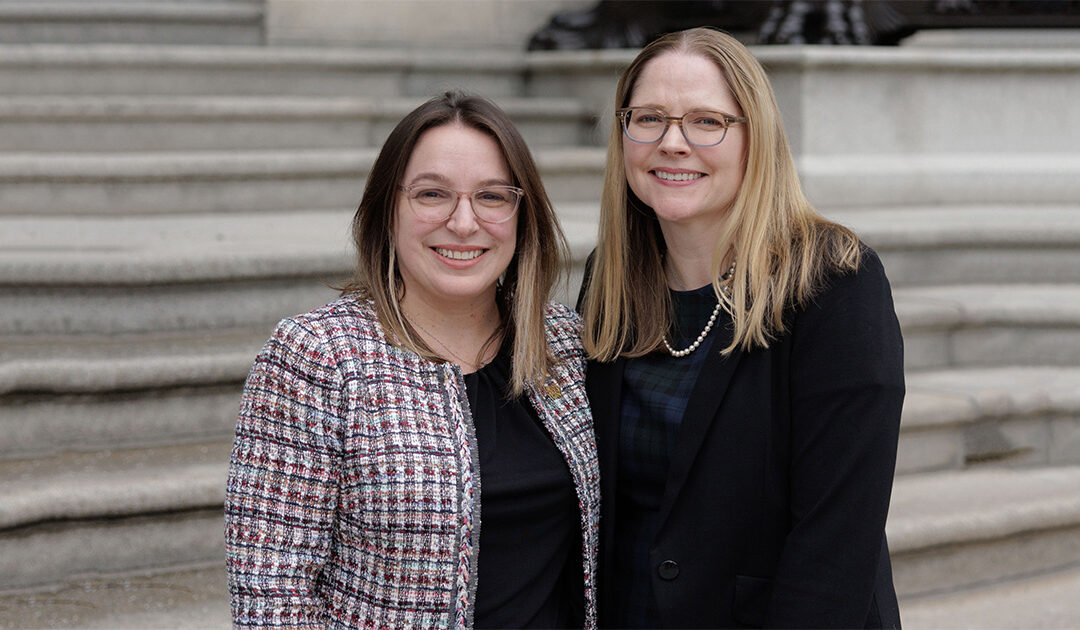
(677, 177)
(456, 255)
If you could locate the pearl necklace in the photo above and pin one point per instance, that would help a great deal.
(726, 289)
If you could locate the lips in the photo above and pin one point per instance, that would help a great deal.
(464, 254)
(677, 177)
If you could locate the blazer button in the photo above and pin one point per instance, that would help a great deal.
(668, 569)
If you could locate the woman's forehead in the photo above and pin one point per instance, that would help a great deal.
(682, 80)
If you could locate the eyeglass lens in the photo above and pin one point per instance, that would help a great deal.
(432, 203)
(701, 128)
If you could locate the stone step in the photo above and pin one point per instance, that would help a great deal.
(135, 391)
(75, 275)
(122, 392)
(134, 22)
(117, 69)
(990, 417)
(930, 243)
(195, 599)
(70, 276)
(961, 326)
(861, 180)
(230, 181)
(971, 243)
(947, 531)
(954, 244)
(949, 244)
(164, 275)
(990, 324)
(78, 516)
(202, 123)
(198, 600)
(960, 529)
(1044, 600)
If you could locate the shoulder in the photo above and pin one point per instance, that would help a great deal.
(347, 320)
(563, 328)
(557, 313)
(865, 286)
(852, 321)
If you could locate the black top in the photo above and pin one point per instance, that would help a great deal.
(656, 389)
(529, 573)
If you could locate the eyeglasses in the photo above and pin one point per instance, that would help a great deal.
(701, 128)
(434, 204)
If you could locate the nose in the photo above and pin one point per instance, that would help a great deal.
(463, 220)
(674, 141)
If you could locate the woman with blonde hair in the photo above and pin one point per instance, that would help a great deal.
(747, 373)
(376, 430)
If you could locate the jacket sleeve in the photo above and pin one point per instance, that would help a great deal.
(847, 390)
(281, 493)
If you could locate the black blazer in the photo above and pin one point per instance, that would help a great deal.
(774, 509)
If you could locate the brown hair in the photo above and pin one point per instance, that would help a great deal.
(781, 246)
(540, 253)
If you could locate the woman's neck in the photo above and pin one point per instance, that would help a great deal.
(456, 332)
(688, 261)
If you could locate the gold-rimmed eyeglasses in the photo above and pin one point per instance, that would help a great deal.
(432, 203)
(701, 128)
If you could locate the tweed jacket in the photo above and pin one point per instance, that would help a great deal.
(353, 496)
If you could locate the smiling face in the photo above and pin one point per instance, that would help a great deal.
(687, 186)
(457, 262)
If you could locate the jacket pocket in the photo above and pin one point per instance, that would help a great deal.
(752, 595)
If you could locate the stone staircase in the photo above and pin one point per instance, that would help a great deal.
(165, 200)
(237, 22)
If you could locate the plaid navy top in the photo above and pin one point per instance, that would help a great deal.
(656, 389)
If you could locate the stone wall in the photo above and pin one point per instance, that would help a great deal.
(411, 23)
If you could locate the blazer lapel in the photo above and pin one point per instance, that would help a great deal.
(708, 392)
(604, 384)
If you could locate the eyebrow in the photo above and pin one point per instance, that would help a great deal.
(698, 108)
(443, 181)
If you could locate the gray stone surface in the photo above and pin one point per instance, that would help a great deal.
(196, 599)
(74, 515)
(960, 529)
(1005, 416)
(39, 426)
(1045, 601)
(501, 25)
(1006, 390)
(229, 181)
(116, 69)
(990, 324)
(113, 483)
(959, 177)
(60, 551)
(234, 22)
(980, 38)
(185, 123)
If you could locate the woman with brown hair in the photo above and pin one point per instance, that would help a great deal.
(747, 373)
(374, 428)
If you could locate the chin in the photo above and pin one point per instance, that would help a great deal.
(677, 214)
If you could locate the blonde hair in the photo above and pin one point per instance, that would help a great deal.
(540, 254)
(782, 247)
